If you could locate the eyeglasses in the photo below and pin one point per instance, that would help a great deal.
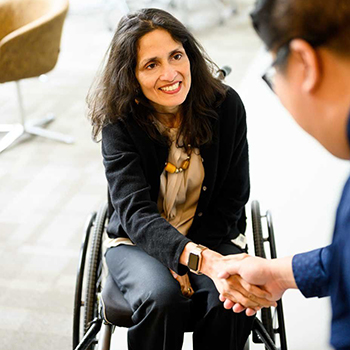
(269, 76)
(280, 60)
(282, 56)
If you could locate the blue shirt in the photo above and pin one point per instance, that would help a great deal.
(326, 271)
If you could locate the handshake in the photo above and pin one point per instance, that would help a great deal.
(248, 283)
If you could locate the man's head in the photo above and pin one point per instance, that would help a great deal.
(310, 44)
(318, 22)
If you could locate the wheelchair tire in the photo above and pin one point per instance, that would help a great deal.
(281, 331)
(257, 230)
(94, 286)
(266, 316)
(78, 303)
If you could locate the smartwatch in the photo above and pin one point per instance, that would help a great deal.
(194, 262)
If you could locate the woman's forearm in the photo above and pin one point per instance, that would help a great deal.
(210, 259)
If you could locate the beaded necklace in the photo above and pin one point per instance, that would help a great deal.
(172, 169)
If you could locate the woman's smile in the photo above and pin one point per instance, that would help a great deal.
(171, 89)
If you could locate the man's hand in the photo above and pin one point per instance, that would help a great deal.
(274, 276)
(235, 289)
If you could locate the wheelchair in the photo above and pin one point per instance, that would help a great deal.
(99, 306)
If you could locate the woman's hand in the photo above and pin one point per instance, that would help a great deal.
(185, 284)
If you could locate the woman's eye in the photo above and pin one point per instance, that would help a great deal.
(178, 56)
(150, 66)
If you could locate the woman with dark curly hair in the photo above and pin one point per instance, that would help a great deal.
(176, 157)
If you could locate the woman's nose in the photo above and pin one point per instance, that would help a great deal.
(168, 73)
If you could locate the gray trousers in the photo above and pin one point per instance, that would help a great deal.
(162, 314)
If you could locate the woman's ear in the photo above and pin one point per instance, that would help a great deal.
(307, 57)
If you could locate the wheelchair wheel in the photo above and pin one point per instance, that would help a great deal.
(268, 316)
(89, 281)
(78, 302)
(95, 267)
(281, 330)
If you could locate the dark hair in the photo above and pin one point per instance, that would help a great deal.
(318, 22)
(113, 95)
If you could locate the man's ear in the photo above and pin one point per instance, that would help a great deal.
(308, 58)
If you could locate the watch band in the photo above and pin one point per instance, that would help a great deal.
(195, 259)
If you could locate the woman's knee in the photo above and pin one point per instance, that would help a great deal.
(163, 304)
(167, 298)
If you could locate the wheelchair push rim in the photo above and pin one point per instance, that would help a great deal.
(78, 302)
(266, 314)
(89, 281)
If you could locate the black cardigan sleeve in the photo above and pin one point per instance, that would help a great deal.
(130, 194)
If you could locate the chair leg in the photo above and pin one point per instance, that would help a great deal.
(13, 133)
(33, 127)
(104, 341)
(40, 122)
(53, 135)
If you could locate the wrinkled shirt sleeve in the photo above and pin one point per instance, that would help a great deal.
(311, 272)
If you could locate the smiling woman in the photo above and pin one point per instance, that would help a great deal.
(176, 157)
(165, 78)
(120, 89)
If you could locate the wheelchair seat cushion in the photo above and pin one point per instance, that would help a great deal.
(116, 309)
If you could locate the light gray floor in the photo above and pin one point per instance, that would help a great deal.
(47, 189)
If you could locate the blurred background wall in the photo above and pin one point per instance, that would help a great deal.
(47, 189)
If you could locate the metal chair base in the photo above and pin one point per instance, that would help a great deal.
(14, 132)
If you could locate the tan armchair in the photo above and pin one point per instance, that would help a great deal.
(30, 35)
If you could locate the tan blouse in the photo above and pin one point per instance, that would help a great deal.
(179, 192)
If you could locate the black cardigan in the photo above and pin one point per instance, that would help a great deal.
(134, 163)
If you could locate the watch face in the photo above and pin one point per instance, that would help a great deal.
(193, 261)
